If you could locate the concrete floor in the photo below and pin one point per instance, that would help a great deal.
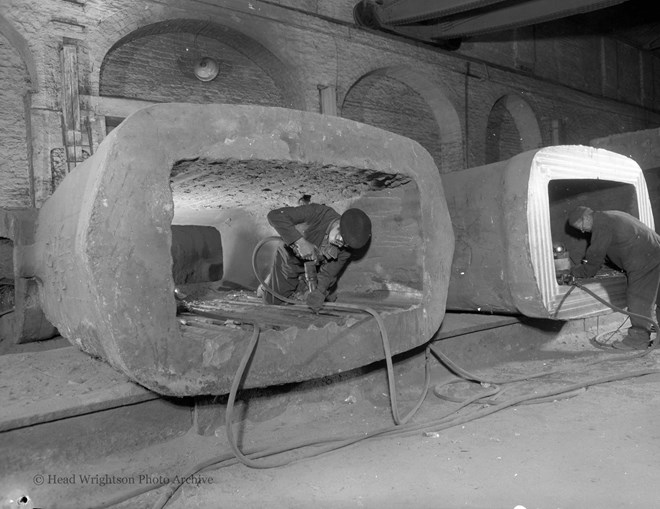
(598, 448)
(595, 449)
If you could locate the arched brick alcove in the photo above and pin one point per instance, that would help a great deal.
(512, 128)
(250, 71)
(16, 81)
(405, 101)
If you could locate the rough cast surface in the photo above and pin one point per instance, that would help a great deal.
(102, 249)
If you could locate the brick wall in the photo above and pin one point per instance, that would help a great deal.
(14, 170)
(384, 102)
(568, 59)
(160, 68)
(279, 53)
(502, 136)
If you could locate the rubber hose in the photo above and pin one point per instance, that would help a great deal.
(350, 307)
(437, 424)
(399, 429)
(654, 344)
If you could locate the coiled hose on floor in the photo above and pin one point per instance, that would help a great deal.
(654, 343)
(398, 420)
(352, 307)
(403, 428)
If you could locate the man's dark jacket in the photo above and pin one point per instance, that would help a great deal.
(312, 222)
(629, 244)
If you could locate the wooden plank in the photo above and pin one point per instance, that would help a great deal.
(70, 100)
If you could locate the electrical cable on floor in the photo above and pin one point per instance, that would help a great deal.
(444, 422)
(402, 427)
(234, 389)
(342, 307)
(654, 343)
(348, 307)
(229, 413)
(438, 424)
(602, 345)
(466, 375)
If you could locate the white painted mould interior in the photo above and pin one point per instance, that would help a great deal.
(576, 162)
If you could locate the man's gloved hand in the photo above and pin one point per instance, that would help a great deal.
(566, 279)
(580, 271)
(315, 300)
(329, 251)
(305, 249)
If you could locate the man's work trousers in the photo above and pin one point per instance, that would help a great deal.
(641, 294)
(284, 275)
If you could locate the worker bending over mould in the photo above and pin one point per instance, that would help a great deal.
(633, 247)
(318, 243)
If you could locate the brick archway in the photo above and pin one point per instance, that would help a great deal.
(440, 108)
(21, 46)
(108, 37)
(512, 128)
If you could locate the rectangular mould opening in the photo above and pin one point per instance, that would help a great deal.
(558, 183)
(234, 197)
(563, 196)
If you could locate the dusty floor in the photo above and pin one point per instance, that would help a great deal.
(596, 449)
(599, 448)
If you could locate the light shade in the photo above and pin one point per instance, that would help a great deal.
(206, 69)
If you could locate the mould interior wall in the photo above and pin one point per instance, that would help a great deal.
(234, 196)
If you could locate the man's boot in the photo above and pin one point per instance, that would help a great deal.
(636, 339)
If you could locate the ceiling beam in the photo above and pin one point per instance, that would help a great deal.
(526, 12)
(401, 12)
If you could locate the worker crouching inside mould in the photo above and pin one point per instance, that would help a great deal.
(315, 237)
(633, 247)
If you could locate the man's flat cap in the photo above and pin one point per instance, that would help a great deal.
(577, 213)
(355, 228)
